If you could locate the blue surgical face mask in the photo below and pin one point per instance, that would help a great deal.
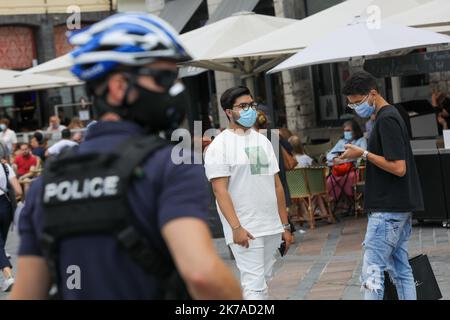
(364, 110)
(247, 118)
(348, 135)
(2, 127)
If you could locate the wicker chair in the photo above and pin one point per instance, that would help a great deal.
(305, 184)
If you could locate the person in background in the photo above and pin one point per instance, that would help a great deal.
(75, 123)
(25, 161)
(54, 129)
(76, 126)
(8, 136)
(38, 145)
(305, 161)
(262, 106)
(262, 126)
(6, 175)
(343, 176)
(441, 102)
(299, 152)
(64, 143)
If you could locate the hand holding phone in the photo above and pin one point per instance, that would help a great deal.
(282, 248)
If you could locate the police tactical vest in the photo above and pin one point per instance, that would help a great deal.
(86, 194)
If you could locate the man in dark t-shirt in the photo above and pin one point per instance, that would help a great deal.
(392, 190)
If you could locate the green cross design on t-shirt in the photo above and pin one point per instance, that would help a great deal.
(259, 162)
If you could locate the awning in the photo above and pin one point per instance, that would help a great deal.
(190, 71)
(226, 8)
(306, 31)
(210, 41)
(13, 81)
(179, 12)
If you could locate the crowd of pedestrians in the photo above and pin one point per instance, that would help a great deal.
(144, 218)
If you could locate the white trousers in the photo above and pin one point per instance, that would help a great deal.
(255, 264)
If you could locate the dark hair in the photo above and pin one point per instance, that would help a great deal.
(444, 102)
(356, 128)
(360, 83)
(229, 97)
(65, 134)
(39, 137)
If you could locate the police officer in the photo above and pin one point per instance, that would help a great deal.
(129, 64)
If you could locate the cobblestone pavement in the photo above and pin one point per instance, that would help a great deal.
(325, 263)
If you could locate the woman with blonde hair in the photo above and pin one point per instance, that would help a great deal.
(75, 123)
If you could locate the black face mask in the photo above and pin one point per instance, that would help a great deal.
(153, 111)
(157, 111)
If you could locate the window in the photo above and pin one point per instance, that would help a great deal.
(314, 6)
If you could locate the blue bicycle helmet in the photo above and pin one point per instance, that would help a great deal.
(130, 39)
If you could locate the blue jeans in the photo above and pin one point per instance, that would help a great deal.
(386, 249)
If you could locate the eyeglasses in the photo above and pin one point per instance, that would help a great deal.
(355, 105)
(165, 78)
(245, 106)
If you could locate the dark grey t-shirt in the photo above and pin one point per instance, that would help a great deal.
(385, 192)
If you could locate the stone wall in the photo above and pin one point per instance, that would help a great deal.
(297, 84)
(224, 80)
(440, 80)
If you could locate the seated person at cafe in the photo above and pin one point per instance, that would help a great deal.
(25, 160)
(305, 161)
(441, 102)
(299, 152)
(343, 176)
(38, 145)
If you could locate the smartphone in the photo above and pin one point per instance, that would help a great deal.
(282, 248)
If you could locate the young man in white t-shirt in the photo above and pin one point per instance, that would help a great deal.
(243, 170)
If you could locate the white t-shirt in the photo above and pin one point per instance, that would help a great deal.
(303, 160)
(8, 137)
(3, 183)
(251, 164)
(54, 134)
(57, 147)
